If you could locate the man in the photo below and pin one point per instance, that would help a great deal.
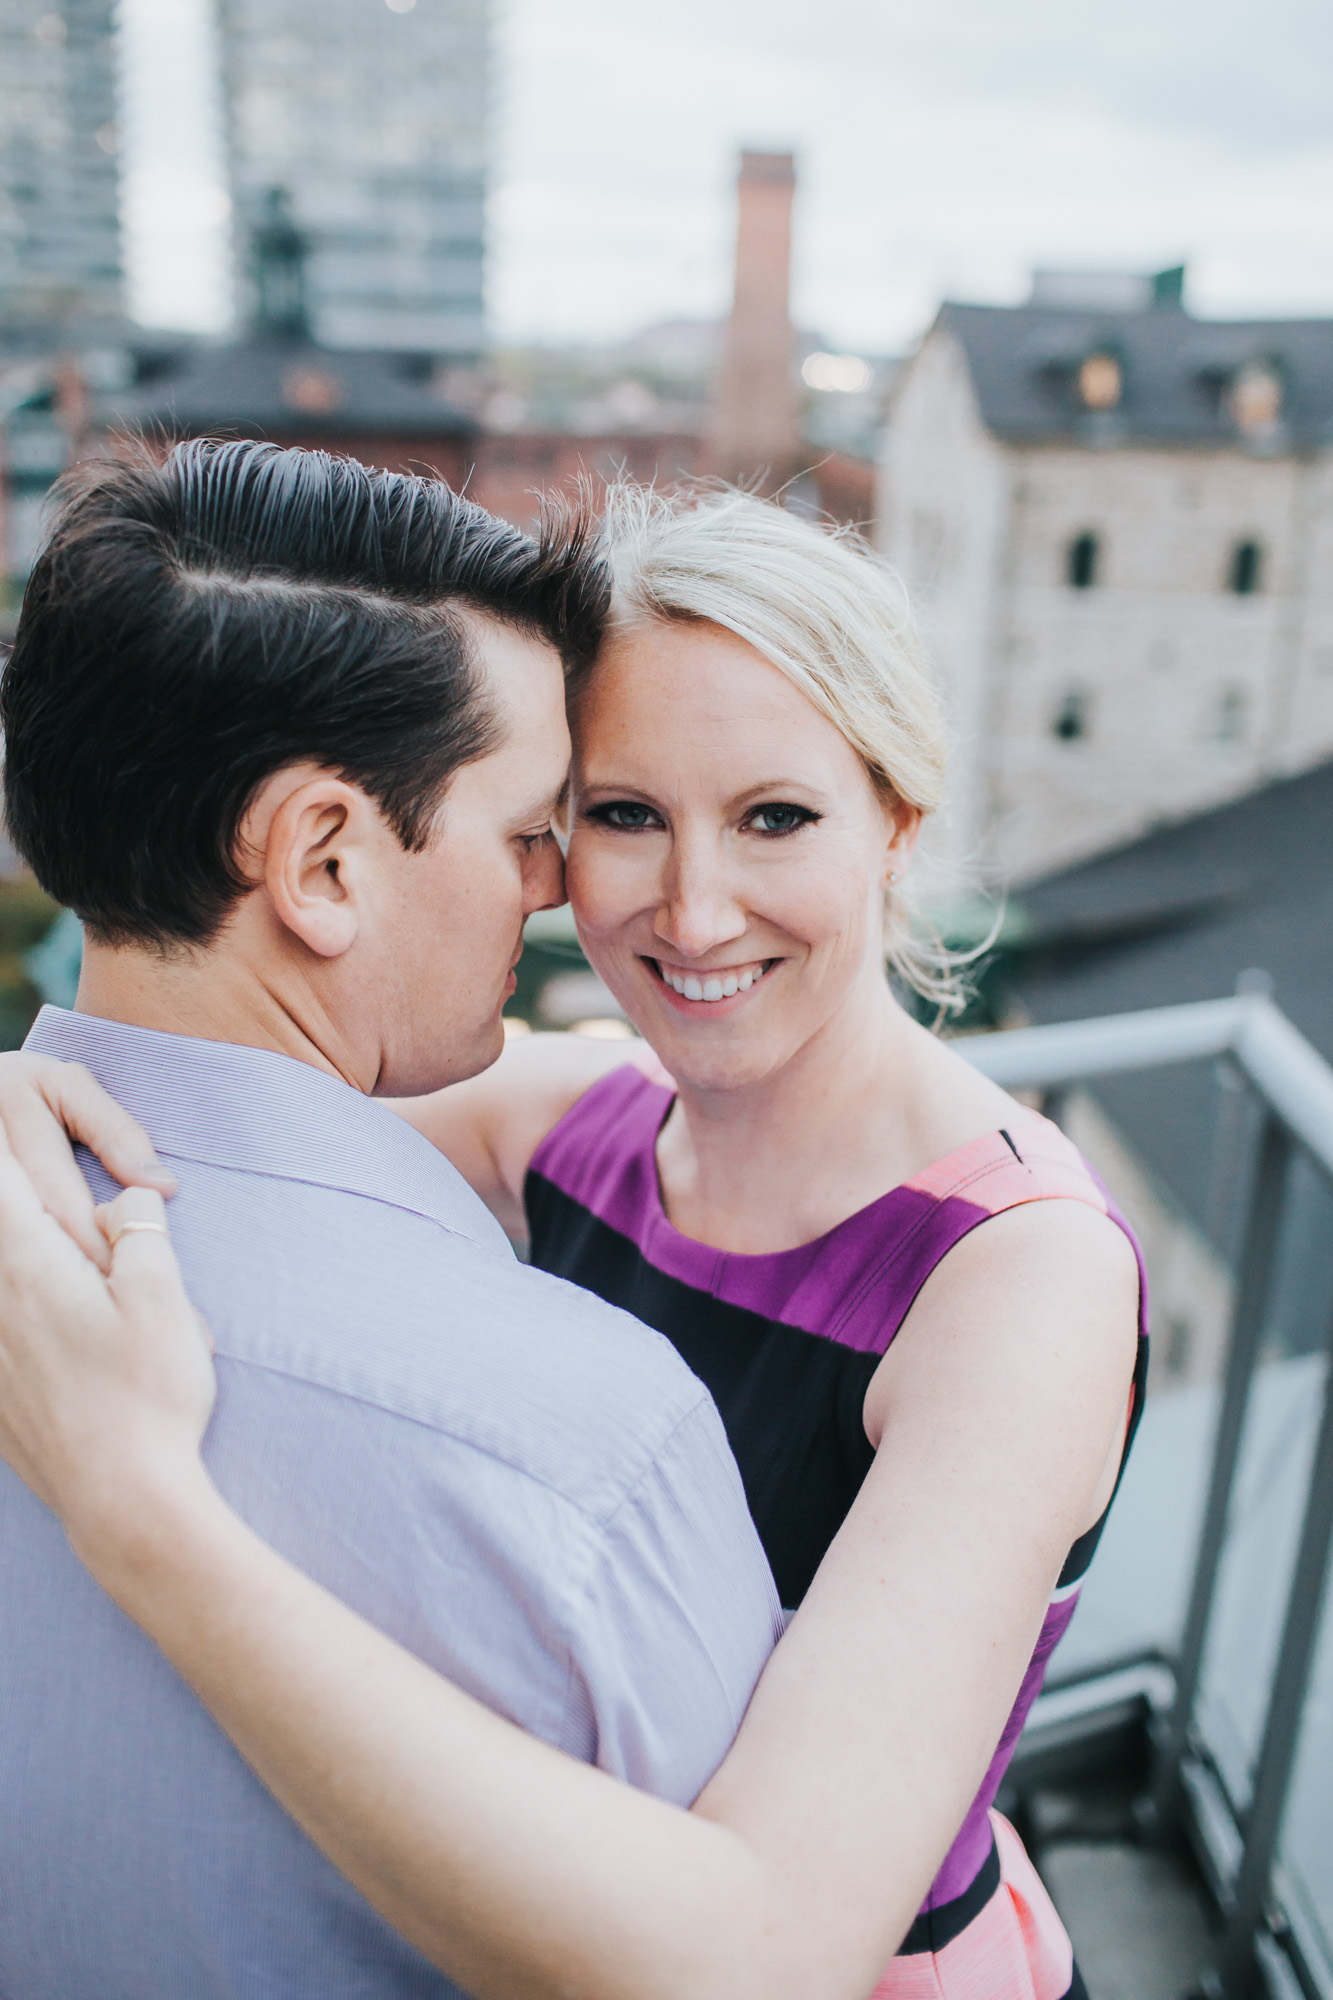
(288, 736)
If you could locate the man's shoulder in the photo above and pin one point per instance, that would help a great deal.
(432, 1328)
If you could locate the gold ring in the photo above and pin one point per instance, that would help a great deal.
(126, 1228)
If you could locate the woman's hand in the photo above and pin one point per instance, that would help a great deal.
(44, 1106)
(106, 1382)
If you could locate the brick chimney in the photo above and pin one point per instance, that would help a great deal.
(754, 429)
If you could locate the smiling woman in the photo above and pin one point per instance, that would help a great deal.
(732, 598)
(730, 854)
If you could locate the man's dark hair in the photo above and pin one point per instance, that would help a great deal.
(193, 626)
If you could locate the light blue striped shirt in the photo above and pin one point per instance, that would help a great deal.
(523, 1485)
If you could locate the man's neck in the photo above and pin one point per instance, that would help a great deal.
(214, 995)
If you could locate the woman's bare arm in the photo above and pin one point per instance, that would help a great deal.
(491, 1126)
(518, 1871)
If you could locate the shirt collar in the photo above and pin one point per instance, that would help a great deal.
(253, 1110)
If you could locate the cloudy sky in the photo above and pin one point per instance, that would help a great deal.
(945, 147)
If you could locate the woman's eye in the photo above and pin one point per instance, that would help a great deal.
(777, 819)
(624, 813)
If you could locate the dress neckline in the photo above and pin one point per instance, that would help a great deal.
(936, 1181)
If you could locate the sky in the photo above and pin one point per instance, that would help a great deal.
(945, 147)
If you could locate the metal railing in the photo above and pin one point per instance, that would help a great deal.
(1290, 1090)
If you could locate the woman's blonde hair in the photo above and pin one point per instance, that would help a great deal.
(827, 612)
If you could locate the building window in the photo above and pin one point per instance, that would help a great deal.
(1100, 382)
(1245, 573)
(1070, 724)
(1255, 398)
(1082, 562)
(1231, 715)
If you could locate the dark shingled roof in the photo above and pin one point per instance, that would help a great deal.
(289, 387)
(1178, 916)
(1024, 362)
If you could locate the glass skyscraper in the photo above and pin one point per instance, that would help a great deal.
(371, 116)
(60, 256)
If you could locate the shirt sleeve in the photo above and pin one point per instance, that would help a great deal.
(680, 1616)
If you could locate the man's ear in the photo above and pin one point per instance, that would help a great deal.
(309, 834)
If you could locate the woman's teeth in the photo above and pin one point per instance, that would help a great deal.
(713, 986)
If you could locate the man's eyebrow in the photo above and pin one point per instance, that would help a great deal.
(546, 807)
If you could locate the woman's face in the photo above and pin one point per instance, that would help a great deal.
(728, 853)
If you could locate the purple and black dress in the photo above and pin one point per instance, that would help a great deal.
(787, 1343)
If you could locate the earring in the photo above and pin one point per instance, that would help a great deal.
(893, 874)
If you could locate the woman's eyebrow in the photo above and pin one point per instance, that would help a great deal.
(772, 787)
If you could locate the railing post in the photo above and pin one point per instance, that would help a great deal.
(1262, 1824)
(1272, 1154)
(1238, 1114)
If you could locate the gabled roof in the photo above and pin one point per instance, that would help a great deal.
(1176, 371)
(1179, 915)
(290, 387)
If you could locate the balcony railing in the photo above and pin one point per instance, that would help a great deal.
(1240, 1704)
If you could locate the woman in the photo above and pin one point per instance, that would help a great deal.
(930, 1416)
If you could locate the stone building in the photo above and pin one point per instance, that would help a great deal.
(371, 117)
(1117, 520)
(60, 261)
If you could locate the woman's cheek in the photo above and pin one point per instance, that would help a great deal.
(604, 888)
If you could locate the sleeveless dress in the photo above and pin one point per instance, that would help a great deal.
(787, 1343)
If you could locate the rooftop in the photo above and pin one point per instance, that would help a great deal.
(288, 386)
(1104, 358)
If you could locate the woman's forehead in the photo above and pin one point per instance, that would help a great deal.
(690, 666)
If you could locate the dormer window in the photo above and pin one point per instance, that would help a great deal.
(1100, 382)
(1255, 398)
(1082, 560)
(1245, 571)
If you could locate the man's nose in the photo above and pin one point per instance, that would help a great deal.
(544, 883)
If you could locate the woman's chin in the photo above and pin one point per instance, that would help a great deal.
(717, 1061)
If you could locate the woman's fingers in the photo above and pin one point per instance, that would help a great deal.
(21, 1206)
(93, 1117)
(134, 1228)
(43, 1105)
(171, 1341)
(55, 1317)
(106, 1383)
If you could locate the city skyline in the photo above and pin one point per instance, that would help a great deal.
(942, 152)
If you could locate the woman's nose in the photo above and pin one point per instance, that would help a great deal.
(699, 911)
